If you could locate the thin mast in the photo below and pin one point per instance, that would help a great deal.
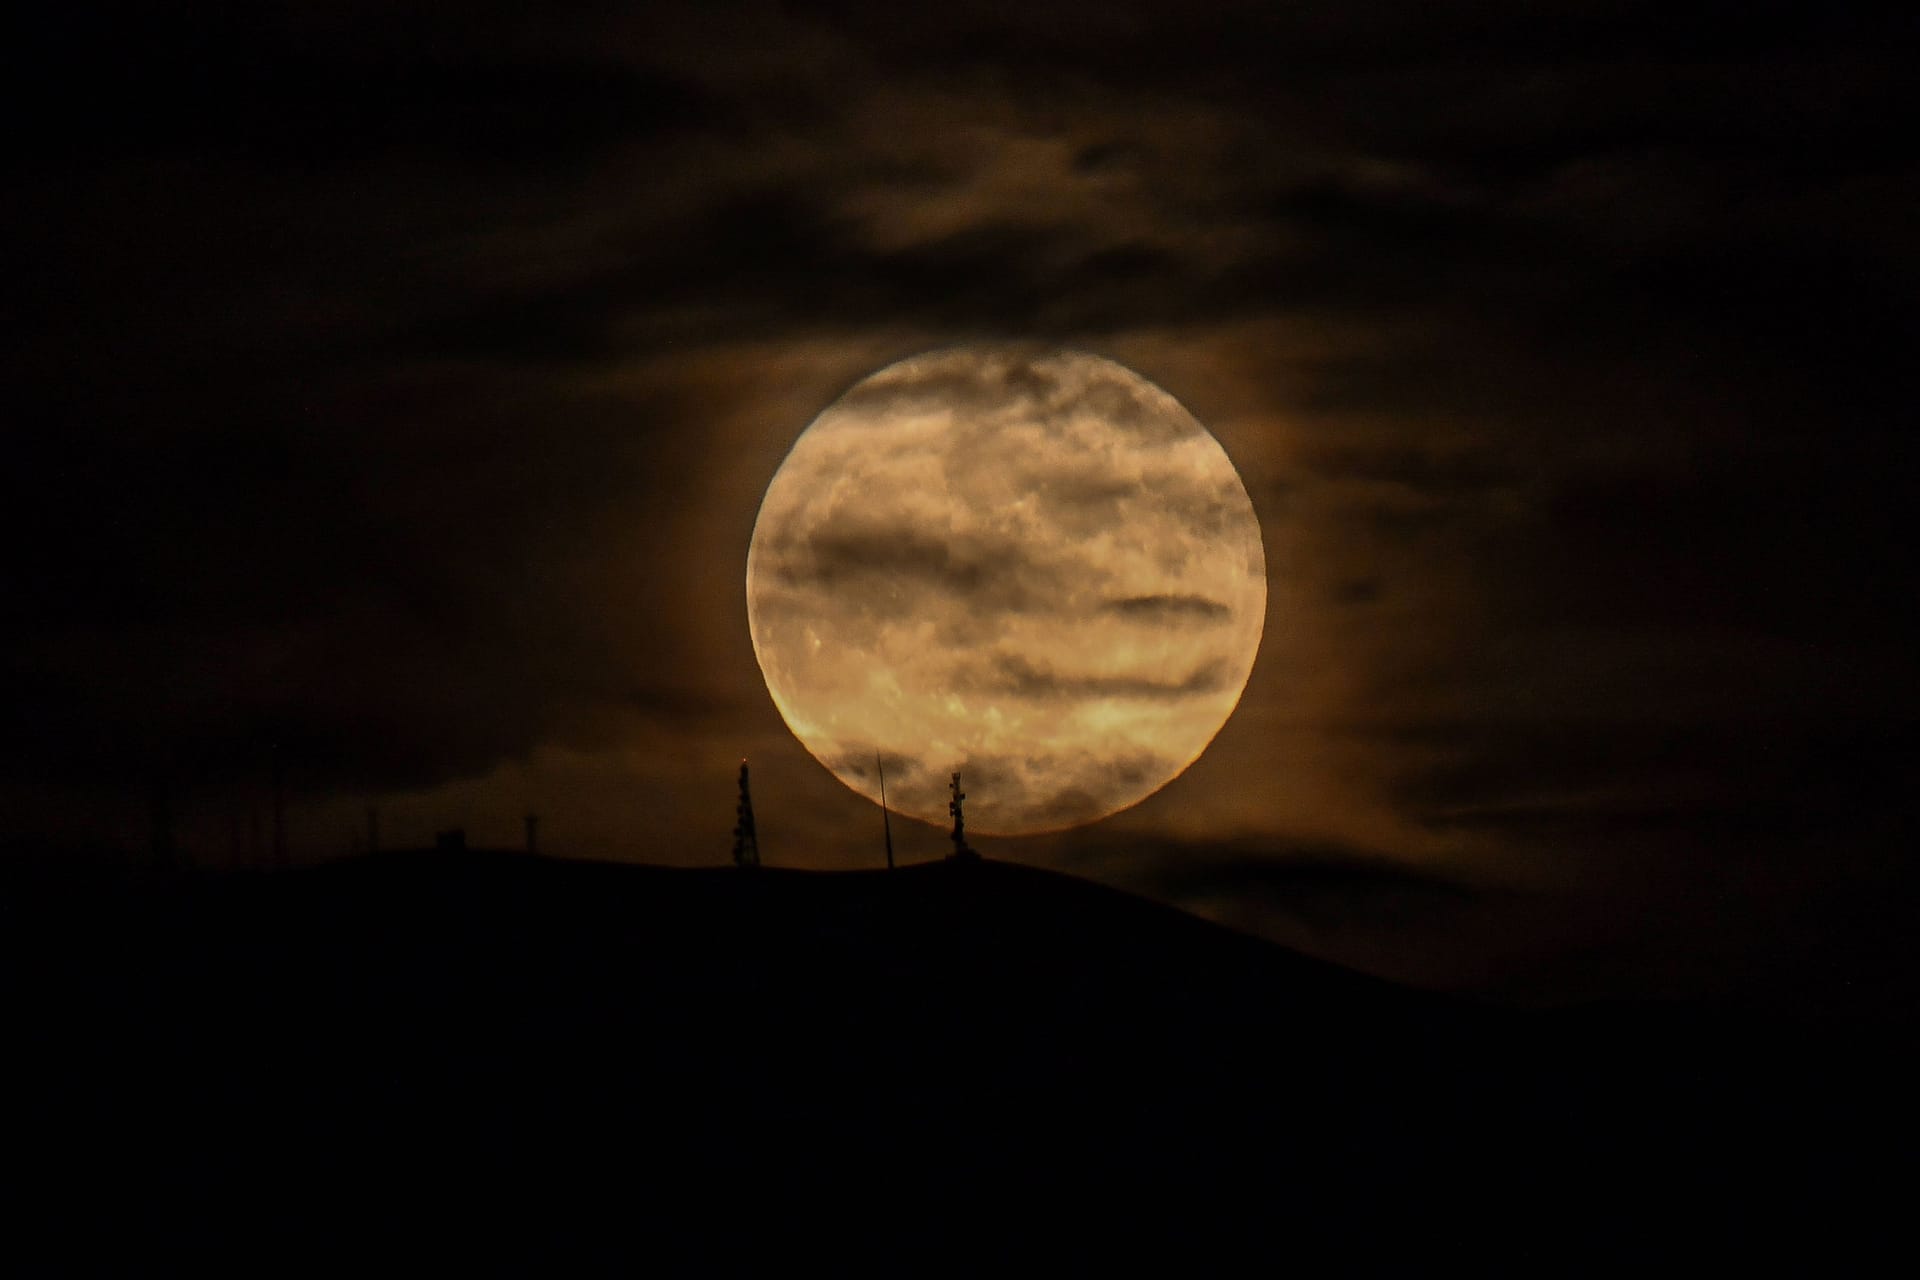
(746, 841)
(886, 823)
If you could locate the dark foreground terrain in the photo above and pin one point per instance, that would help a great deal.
(430, 1060)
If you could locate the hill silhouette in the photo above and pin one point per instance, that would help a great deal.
(533, 1061)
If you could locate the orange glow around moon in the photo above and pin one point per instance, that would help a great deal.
(1034, 568)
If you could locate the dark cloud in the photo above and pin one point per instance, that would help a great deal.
(1740, 546)
(1468, 472)
(1053, 789)
(1012, 378)
(1358, 591)
(283, 89)
(887, 568)
(1085, 502)
(1169, 609)
(1022, 379)
(867, 763)
(1013, 674)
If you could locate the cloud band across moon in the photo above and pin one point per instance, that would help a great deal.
(1034, 567)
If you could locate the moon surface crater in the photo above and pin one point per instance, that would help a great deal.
(1034, 568)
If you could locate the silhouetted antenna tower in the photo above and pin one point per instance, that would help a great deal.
(533, 833)
(746, 842)
(960, 849)
(373, 829)
(886, 822)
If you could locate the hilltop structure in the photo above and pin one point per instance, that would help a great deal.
(959, 835)
(746, 842)
(886, 819)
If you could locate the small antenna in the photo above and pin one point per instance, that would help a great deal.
(886, 822)
(746, 840)
(960, 847)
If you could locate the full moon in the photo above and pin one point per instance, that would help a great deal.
(1035, 569)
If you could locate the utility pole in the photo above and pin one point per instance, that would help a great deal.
(373, 829)
(886, 822)
(533, 833)
(746, 841)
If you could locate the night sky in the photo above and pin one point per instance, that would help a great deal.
(391, 387)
